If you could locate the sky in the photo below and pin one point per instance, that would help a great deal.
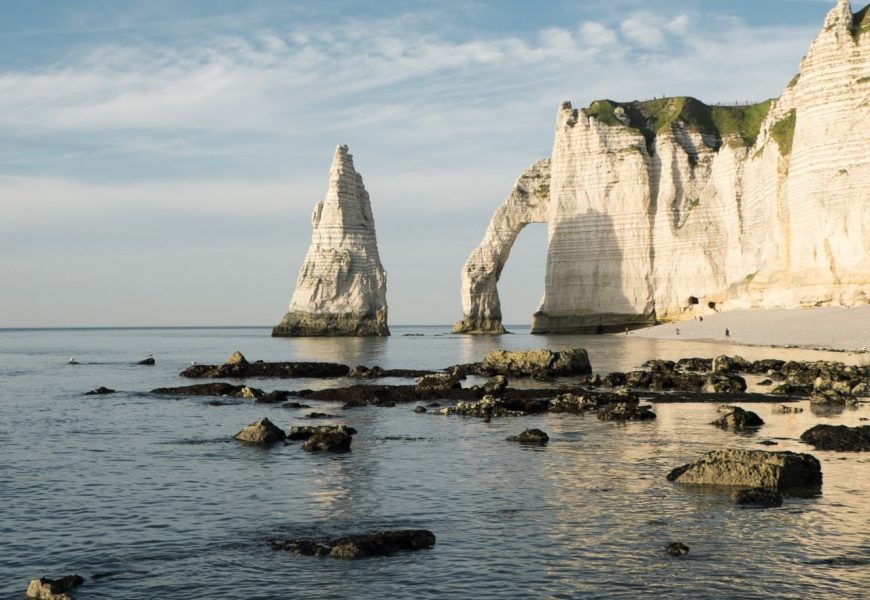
(159, 160)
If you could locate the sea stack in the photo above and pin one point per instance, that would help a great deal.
(670, 209)
(342, 286)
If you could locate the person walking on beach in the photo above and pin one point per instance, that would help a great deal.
(727, 334)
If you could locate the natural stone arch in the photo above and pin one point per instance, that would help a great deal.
(527, 203)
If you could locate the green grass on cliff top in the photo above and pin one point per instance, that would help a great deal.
(651, 117)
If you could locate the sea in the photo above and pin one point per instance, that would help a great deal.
(150, 493)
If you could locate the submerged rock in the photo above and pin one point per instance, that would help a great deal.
(784, 410)
(201, 389)
(751, 468)
(531, 437)
(147, 361)
(757, 497)
(382, 543)
(838, 437)
(737, 419)
(99, 391)
(53, 589)
(262, 432)
(303, 432)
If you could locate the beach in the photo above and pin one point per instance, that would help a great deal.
(829, 328)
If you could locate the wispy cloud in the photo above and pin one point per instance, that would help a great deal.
(240, 125)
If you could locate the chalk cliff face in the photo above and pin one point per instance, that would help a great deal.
(665, 209)
(527, 203)
(342, 287)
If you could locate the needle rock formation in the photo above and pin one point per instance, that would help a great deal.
(669, 208)
(342, 286)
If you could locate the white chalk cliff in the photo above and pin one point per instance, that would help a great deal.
(665, 209)
(342, 286)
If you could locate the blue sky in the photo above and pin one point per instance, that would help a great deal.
(159, 161)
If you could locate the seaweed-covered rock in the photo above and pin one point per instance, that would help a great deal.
(438, 382)
(531, 437)
(751, 468)
(496, 385)
(201, 389)
(262, 432)
(535, 362)
(53, 589)
(616, 379)
(249, 393)
(757, 497)
(626, 411)
(237, 366)
(273, 397)
(832, 398)
(382, 543)
(337, 440)
(717, 383)
(838, 437)
(737, 419)
(361, 372)
(701, 365)
(729, 364)
(303, 432)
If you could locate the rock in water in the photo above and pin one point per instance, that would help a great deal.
(100, 391)
(524, 363)
(337, 440)
(342, 286)
(737, 419)
(53, 589)
(751, 468)
(677, 549)
(534, 437)
(838, 437)
(757, 497)
(647, 209)
(383, 543)
(263, 432)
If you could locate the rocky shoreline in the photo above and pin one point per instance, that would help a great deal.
(564, 383)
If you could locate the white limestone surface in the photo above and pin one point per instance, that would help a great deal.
(342, 287)
(655, 221)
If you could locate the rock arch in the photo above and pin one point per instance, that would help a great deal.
(527, 203)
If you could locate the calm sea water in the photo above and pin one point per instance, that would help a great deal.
(153, 488)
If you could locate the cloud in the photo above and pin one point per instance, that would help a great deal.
(643, 30)
(595, 34)
(185, 137)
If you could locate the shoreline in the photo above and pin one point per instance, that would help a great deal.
(829, 329)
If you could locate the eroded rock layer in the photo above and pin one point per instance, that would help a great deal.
(667, 209)
(342, 286)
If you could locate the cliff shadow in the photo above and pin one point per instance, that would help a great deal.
(585, 283)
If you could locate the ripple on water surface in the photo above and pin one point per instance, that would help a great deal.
(154, 490)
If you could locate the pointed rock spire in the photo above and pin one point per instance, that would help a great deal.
(342, 287)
